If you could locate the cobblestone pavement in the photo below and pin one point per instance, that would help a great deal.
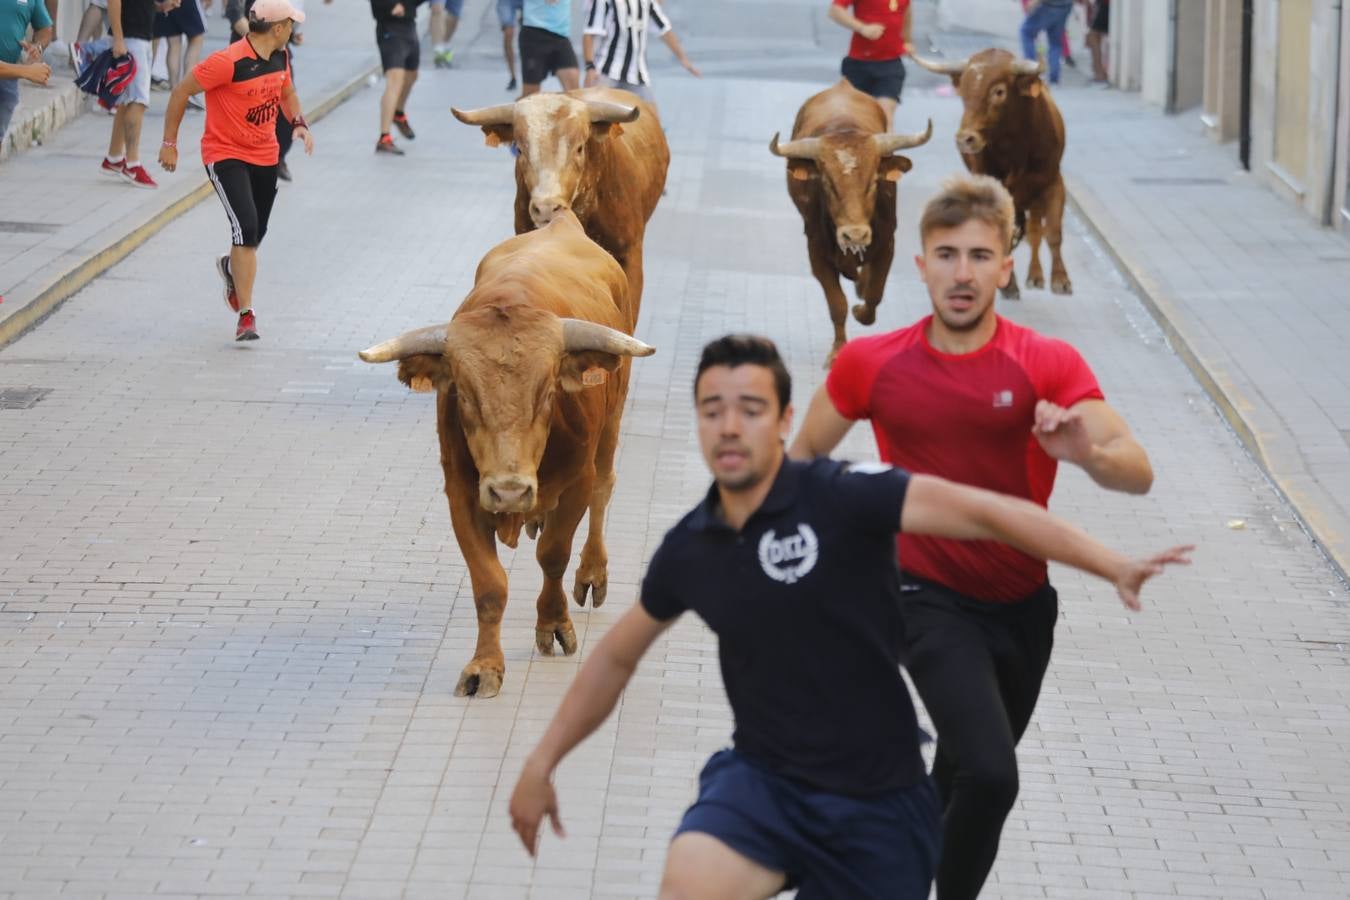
(232, 612)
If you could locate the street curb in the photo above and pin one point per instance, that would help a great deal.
(1227, 398)
(66, 284)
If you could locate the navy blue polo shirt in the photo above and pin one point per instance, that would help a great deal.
(805, 601)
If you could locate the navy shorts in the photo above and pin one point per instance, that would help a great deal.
(399, 45)
(875, 77)
(829, 845)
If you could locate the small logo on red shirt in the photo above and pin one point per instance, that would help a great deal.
(1003, 399)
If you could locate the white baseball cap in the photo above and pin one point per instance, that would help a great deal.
(274, 11)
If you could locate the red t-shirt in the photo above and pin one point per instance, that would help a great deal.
(890, 13)
(243, 100)
(968, 419)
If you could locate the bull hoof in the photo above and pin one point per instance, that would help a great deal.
(598, 584)
(1035, 280)
(565, 635)
(864, 313)
(482, 680)
(1061, 285)
(1011, 292)
(829, 360)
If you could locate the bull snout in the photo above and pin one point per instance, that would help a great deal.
(542, 210)
(968, 141)
(853, 238)
(507, 494)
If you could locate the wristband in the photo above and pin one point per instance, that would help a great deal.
(590, 65)
(173, 144)
(299, 122)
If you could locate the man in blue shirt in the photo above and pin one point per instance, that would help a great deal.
(546, 45)
(792, 564)
(19, 58)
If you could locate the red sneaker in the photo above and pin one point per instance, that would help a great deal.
(223, 267)
(113, 169)
(138, 176)
(247, 329)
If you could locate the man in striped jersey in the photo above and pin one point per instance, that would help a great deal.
(620, 61)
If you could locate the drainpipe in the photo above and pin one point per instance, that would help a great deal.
(1330, 210)
(1173, 48)
(1245, 88)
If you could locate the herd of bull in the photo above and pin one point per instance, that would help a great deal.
(531, 373)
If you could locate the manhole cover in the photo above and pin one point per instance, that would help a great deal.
(1177, 180)
(28, 227)
(21, 398)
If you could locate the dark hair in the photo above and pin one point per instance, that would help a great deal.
(735, 350)
(257, 27)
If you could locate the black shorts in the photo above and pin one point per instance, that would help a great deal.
(399, 47)
(883, 847)
(247, 191)
(876, 77)
(543, 53)
(185, 19)
(1101, 17)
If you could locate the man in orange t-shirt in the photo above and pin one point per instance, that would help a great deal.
(247, 85)
(881, 31)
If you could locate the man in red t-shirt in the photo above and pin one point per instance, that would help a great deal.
(881, 30)
(247, 85)
(968, 396)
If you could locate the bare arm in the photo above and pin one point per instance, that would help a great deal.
(115, 26)
(674, 44)
(38, 73)
(942, 508)
(841, 16)
(822, 429)
(1093, 436)
(585, 706)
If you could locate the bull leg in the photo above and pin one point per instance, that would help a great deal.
(553, 553)
(1035, 275)
(593, 573)
(1054, 236)
(828, 277)
(1011, 291)
(871, 285)
(632, 267)
(482, 677)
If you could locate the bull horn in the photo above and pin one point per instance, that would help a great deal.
(804, 148)
(889, 143)
(1028, 67)
(488, 115)
(946, 67)
(423, 340)
(604, 111)
(580, 335)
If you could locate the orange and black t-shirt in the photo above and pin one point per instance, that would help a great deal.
(243, 100)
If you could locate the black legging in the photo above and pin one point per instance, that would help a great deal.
(978, 668)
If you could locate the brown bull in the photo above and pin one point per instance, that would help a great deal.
(842, 178)
(1012, 130)
(530, 376)
(596, 151)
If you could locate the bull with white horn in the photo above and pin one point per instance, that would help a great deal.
(530, 376)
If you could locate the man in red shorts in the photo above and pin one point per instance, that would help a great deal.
(248, 84)
(974, 398)
(881, 30)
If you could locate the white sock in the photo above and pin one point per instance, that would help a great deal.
(115, 159)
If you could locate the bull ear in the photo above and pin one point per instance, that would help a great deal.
(1029, 85)
(892, 167)
(496, 135)
(602, 130)
(589, 368)
(802, 170)
(424, 372)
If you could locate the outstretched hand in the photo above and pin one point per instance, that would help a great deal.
(1062, 433)
(533, 799)
(1137, 571)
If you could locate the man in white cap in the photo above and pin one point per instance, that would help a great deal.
(247, 85)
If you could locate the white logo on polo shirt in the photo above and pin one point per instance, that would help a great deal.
(790, 558)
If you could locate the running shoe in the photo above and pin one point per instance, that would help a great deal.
(386, 145)
(283, 171)
(160, 84)
(247, 330)
(195, 102)
(223, 268)
(401, 123)
(113, 169)
(511, 85)
(444, 59)
(138, 176)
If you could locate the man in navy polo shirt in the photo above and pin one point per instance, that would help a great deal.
(792, 565)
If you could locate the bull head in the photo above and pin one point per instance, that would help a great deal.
(986, 82)
(503, 365)
(553, 133)
(850, 164)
